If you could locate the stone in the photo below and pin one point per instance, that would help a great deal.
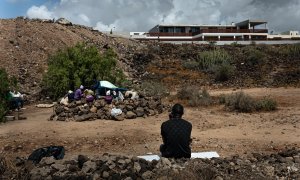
(139, 112)
(93, 109)
(81, 160)
(297, 159)
(165, 161)
(147, 175)
(9, 118)
(63, 21)
(218, 178)
(129, 108)
(130, 115)
(78, 103)
(47, 161)
(89, 166)
(60, 118)
(136, 167)
(58, 167)
(105, 174)
(151, 112)
(83, 117)
(119, 117)
(121, 161)
(269, 170)
(59, 109)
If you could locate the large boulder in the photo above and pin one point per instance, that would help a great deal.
(63, 21)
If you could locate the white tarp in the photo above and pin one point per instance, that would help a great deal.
(194, 155)
(107, 84)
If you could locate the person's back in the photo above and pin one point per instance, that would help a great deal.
(176, 134)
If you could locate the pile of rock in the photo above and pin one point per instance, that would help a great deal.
(100, 109)
(103, 167)
(283, 165)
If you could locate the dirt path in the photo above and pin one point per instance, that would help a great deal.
(227, 133)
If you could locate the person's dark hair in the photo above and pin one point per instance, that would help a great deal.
(177, 110)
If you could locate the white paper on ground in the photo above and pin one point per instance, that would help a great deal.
(193, 155)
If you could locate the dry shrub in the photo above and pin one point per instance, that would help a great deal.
(266, 104)
(153, 88)
(195, 96)
(240, 102)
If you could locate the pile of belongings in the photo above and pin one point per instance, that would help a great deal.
(107, 102)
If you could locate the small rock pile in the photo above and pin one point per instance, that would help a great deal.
(100, 109)
(103, 167)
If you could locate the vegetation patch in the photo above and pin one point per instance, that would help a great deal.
(242, 102)
(6, 84)
(266, 104)
(81, 64)
(254, 56)
(152, 88)
(194, 96)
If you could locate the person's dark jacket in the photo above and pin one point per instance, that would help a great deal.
(176, 134)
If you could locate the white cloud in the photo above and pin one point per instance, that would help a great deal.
(84, 19)
(41, 12)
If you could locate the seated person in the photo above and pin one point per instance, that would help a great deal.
(79, 93)
(176, 135)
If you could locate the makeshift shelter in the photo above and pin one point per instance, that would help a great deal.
(106, 85)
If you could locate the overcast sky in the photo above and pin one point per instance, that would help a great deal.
(141, 15)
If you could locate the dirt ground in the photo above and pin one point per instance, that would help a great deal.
(214, 129)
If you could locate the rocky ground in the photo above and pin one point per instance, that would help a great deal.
(282, 165)
(248, 136)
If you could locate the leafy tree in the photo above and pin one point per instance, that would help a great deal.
(5, 83)
(81, 64)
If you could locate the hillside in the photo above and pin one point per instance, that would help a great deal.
(25, 46)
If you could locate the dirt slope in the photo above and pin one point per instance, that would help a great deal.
(25, 46)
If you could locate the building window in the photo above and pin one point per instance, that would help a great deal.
(195, 29)
(179, 29)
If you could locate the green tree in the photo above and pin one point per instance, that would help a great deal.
(81, 64)
(4, 90)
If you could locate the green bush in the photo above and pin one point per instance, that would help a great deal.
(81, 64)
(5, 84)
(223, 72)
(266, 104)
(208, 60)
(222, 98)
(240, 102)
(195, 96)
(254, 56)
(290, 50)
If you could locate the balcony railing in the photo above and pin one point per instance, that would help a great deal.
(210, 31)
(233, 31)
(170, 34)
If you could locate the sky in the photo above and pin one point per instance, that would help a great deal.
(142, 15)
